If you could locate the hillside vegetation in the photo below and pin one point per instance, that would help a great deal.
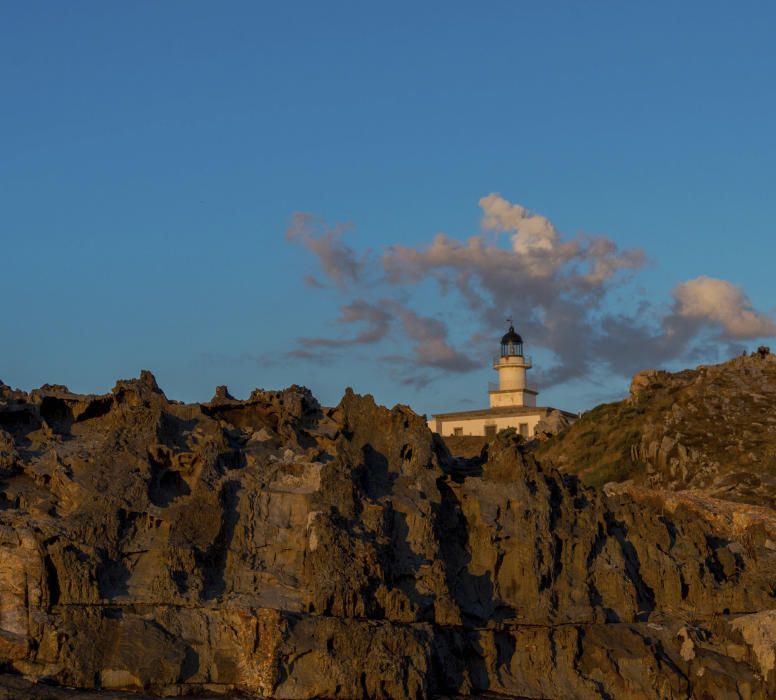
(711, 428)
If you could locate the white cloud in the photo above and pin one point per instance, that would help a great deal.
(534, 238)
(719, 302)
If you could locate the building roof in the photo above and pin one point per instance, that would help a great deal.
(511, 337)
(503, 411)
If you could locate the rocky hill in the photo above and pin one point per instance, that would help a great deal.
(280, 549)
(712, 429)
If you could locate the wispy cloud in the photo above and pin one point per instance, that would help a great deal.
(375, 319)
(338, 261)
(430, 348)
(558, 288)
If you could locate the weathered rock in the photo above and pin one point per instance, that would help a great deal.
(551, 424)
(281, 549)
(711, 429)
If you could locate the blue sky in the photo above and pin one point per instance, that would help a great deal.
(153, 156)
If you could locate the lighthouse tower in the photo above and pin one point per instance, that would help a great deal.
(511, 366)
(512, 403)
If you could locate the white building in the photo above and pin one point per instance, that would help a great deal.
(512, 401)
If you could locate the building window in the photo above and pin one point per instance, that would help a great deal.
(457, 431)
(490, 431)
(524, 429)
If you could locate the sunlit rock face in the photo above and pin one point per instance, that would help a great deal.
(281, 549)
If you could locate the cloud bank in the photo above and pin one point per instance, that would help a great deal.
(558, 289)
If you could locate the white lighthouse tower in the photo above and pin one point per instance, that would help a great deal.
(511, 366)
(512, 403)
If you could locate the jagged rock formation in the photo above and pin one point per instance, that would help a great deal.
(467, 446)
(282, 549)
(552, 424)
(712, 429)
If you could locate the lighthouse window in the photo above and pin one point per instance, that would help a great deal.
(524, 429)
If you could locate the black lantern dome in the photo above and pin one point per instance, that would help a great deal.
(511, 344)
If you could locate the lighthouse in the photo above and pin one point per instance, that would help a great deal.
(512, 401)
(511, 365)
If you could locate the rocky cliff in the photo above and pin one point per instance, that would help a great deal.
(711, 429)
(280, 549)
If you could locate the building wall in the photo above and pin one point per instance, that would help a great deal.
(476, 426)
(512, 398)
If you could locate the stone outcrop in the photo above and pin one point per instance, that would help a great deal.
(711, 429)
(280, 549)
(551, 424)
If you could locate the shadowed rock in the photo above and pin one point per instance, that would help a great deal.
(283, 549)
